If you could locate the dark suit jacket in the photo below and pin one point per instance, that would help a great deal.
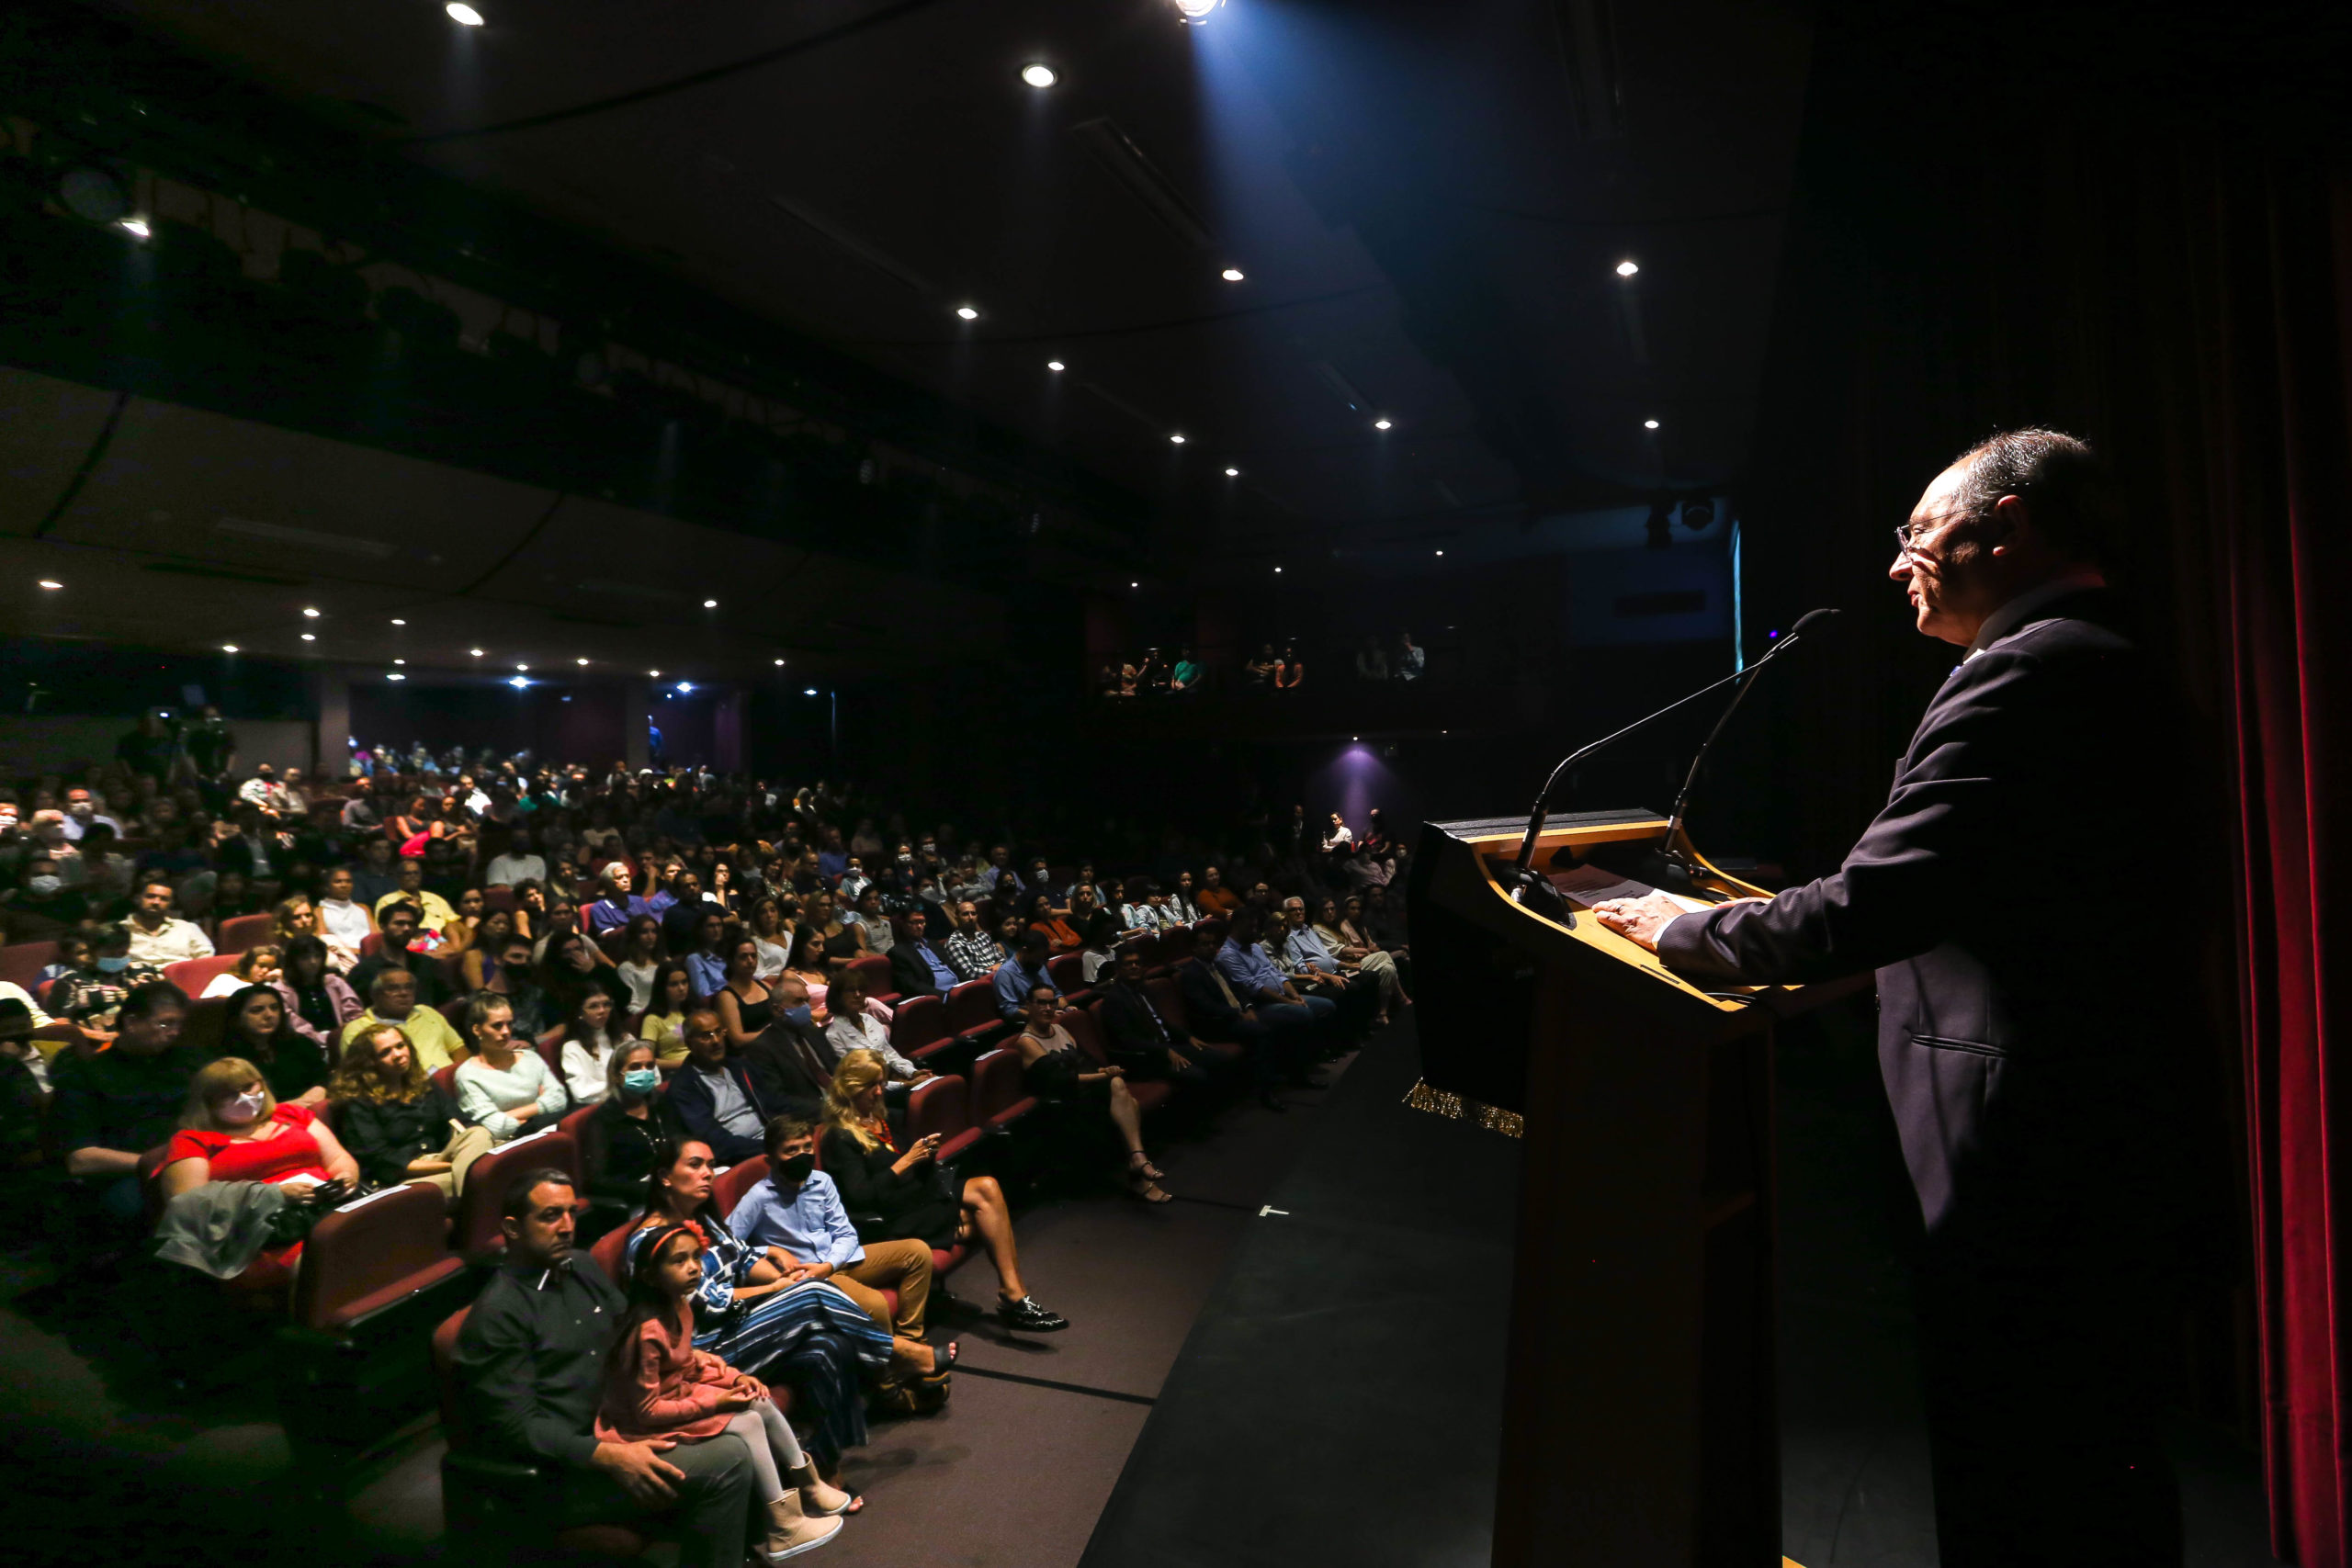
(2028, 986)
(1205, 1008)
(790, 1063)
(910, 976)
(1131, 1025)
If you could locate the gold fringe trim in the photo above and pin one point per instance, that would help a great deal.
(1493, 1118)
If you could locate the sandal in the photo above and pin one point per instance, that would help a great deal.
(1143, 1189)
(1139, 1164)
(943, 1362)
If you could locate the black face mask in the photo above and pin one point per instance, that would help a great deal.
(794, 1171)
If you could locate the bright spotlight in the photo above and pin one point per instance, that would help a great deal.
(518, 681)
(1194, 12)
(465, 16)
(136, 228)
(228, 647)
(810, 692)
(1134, 585)
(312, 614)
(779, 663)
(398, 622)
(1231, 275)
(52, 583)
(475, 651)
(685, 685)
(1627, 269)
(1056, 366)
(395, 675)
(1233, 473)
(521, 667)
(309, 637)
(710, 603)
(581, 663)
(1381, 424)
(1441, 552)
(399, 661)
(1649, 424)
(1278, 571)
(655, 673)
(1177, 439)
(967, 312)
(1037, 73)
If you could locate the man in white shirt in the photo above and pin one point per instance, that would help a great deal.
(82, 813)
(263, 790)
(157, 938)
(517, 864)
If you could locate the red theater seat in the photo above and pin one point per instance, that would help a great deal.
(192, 975)
(997, 1097)
(22, 961)
(1168, 998)
(244, 932)
(1086, 1029)
(371, 1254)
(943, 1106)
(736, 1180)
(920, 1026)
(478, 1233)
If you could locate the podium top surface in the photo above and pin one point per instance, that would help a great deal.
(1473, 828)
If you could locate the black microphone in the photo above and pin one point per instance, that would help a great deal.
(1531, 889)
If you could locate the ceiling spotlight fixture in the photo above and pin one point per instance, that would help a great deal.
(1278, 571)
(1627, 269)
(1233, 473)
(779, 663)
(518, 681)
(399, 661)
(581, 663)
(1231, 275)
(1193, 13)
(312, 614)
(1056, 366)
(228, 647)
(309, 637)
(1037, 73)
(398, 622)
(810, 692)
(1441, 552)
(1177, 439)
(136, 228)
(52, 583)
(395, 675)
(1134, 585)
(655, 673)
(465, 16)
(710, 603)
(1382, 424)
(521, 667)
(1649, 424)
(685, 685)
(968, 313)
(475, 651)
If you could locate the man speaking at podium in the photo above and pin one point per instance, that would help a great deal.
(2029, 984)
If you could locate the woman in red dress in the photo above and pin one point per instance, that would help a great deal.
(234, 1130)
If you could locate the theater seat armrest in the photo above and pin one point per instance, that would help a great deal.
(955, 1147)
(489, 1468)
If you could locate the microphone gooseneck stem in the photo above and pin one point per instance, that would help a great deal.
(1690, 781)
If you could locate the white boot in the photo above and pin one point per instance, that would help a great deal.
(790, 1532)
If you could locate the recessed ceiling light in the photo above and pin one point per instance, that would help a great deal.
(685, 685)
(395, 675)
(710, 603)
(655, 673)
(228, 647)
(475, 651)
(1194, 12)
(310, 612)
(398, 622)
(1627, 269)
(581, 661)
(462, 13)
(1177, 439)
(779, 663)
(399, 661)
(521, 667)
(1649, 424)
(1380, 424)
(1441, 552)
(810, 692)
(1056, 366)
(1231, 275)
(309, 637)
(1037, 73)
(50, 583)
(136, 227)
(518, 681)
(1278, 571)
(967, 312)
(1233, 473)
(1134, 585)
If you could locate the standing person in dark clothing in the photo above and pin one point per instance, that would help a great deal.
(532, 1358)
(2039, 1086)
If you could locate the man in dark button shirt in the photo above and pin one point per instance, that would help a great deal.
(398, 925)
(1139, 1039)
(114, 1104)
(532, 1358)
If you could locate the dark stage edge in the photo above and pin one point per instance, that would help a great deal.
(1339, 1398)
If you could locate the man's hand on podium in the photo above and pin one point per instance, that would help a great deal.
(1637, 919)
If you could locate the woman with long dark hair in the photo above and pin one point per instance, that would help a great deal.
(292, 1063)
(744, 1005)
(751, 1314)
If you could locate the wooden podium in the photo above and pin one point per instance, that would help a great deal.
(1640, 1422)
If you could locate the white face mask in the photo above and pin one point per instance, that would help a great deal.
(242, 1110)
(43, 886)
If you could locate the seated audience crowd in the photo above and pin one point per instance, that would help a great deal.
(233, 1004)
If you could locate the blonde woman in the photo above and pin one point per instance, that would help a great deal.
(234, 1129)
(396, 1121)
(911, 1192)
(295, 916)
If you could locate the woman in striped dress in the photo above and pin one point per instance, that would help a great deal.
(809, 1336)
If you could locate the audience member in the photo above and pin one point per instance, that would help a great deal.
(745, 1005)
(1357, 995)
(659, 1386)
(970, 950)
(260, 1030)
(918, 964)
(157, 937)
(1216, 900)
(395, 1121)
(397, 948)
(1138, 1038)
(1349, 946)
(344, 924)
(108, 1107)
(591, 1037)
(713, 1093)
(1054, 1068)
(516, 863)
(1053, 925)
(532, 1358)
(234, 1129)
(392, 998)
(616, 906)
(436, 914)
(1410, 658)
(1022, 973)
(1280, 1038)
(505, 1086)
(255, 966)
(851, 1027)
(907, 1196)
(1183, 910)
(795, 1221)
(620, 1139)
(770, 938)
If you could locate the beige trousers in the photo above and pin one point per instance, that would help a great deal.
(465, 1147)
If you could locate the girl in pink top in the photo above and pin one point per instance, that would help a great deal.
(658, 1385)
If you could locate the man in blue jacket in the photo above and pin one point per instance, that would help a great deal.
(714, 1096)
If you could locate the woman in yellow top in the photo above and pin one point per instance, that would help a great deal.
(665, 1024)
